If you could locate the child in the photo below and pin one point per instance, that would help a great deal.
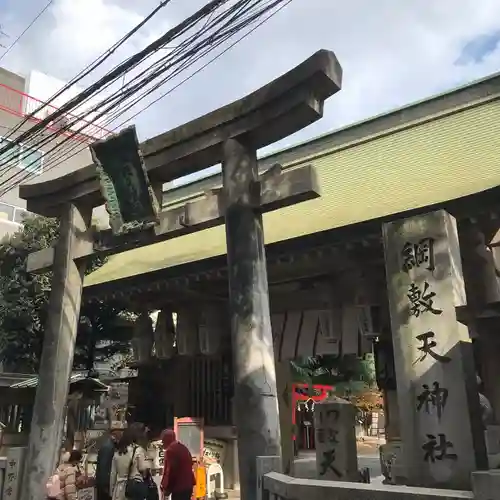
(63, 484)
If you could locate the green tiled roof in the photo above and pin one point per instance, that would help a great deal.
(421, 164)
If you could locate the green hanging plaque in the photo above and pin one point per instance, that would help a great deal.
(130, 200)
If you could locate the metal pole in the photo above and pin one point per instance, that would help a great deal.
(256, 402)
(57, 357)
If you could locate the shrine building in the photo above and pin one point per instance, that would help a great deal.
(325, 261)
(325, 257)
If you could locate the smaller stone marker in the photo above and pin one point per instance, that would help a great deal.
(265, 465)
(335, 436)
(13, 472)
(486, 485)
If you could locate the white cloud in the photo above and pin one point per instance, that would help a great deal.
(392, 52)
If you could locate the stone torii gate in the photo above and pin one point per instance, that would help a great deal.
(230, 135)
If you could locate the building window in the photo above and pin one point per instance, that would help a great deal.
(6, 212)
(31, 160)
(13, 214)
(9, 159)
(21, 156)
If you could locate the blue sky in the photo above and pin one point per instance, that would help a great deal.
(392, 52)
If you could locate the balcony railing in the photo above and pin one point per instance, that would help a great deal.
(20, 104)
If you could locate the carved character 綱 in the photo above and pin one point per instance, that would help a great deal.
(329, 414)
(436, 398)
(421, 300)
(419, 254)
(437, 448)
(427, 348)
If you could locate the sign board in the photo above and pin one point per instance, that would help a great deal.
(86, 494)
(112, 411)
(214, 451)
(130, 200)
(189, 432)
(13, 472)
(156, 454)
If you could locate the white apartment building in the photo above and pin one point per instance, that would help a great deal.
(16, 103)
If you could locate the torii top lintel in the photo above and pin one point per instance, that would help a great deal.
(280, 108)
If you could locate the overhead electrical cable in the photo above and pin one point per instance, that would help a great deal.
(188, 58)
(92, 66)
(37, 17)
(252, 30)
(47, 139)
(186, 79)
(112, 75)
(112, 117)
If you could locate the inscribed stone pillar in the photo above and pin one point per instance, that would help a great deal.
(14, 465)
(335, 436)
(443, 441)
(57, 354)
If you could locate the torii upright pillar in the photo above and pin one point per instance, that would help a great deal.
(58, 351)
(256, 401)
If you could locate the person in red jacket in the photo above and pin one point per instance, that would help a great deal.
(178, 477)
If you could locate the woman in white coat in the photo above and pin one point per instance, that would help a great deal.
(129, 463)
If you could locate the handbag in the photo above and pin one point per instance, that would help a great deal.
(135, 489)
(152, 489)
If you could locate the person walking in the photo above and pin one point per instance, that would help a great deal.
(178, 477)
(129, 466)
(104, 463)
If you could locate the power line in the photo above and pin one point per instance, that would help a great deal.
(37, 129)
(91, 67)
(115, 73)
(252, 19)
(218, 37)
(162, 96)
(49, 3)
(194, 54)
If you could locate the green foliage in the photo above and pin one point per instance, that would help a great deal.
(24, 305)
(353, 378)
(334, 370)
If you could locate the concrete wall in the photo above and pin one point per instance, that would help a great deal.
(71, 153)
